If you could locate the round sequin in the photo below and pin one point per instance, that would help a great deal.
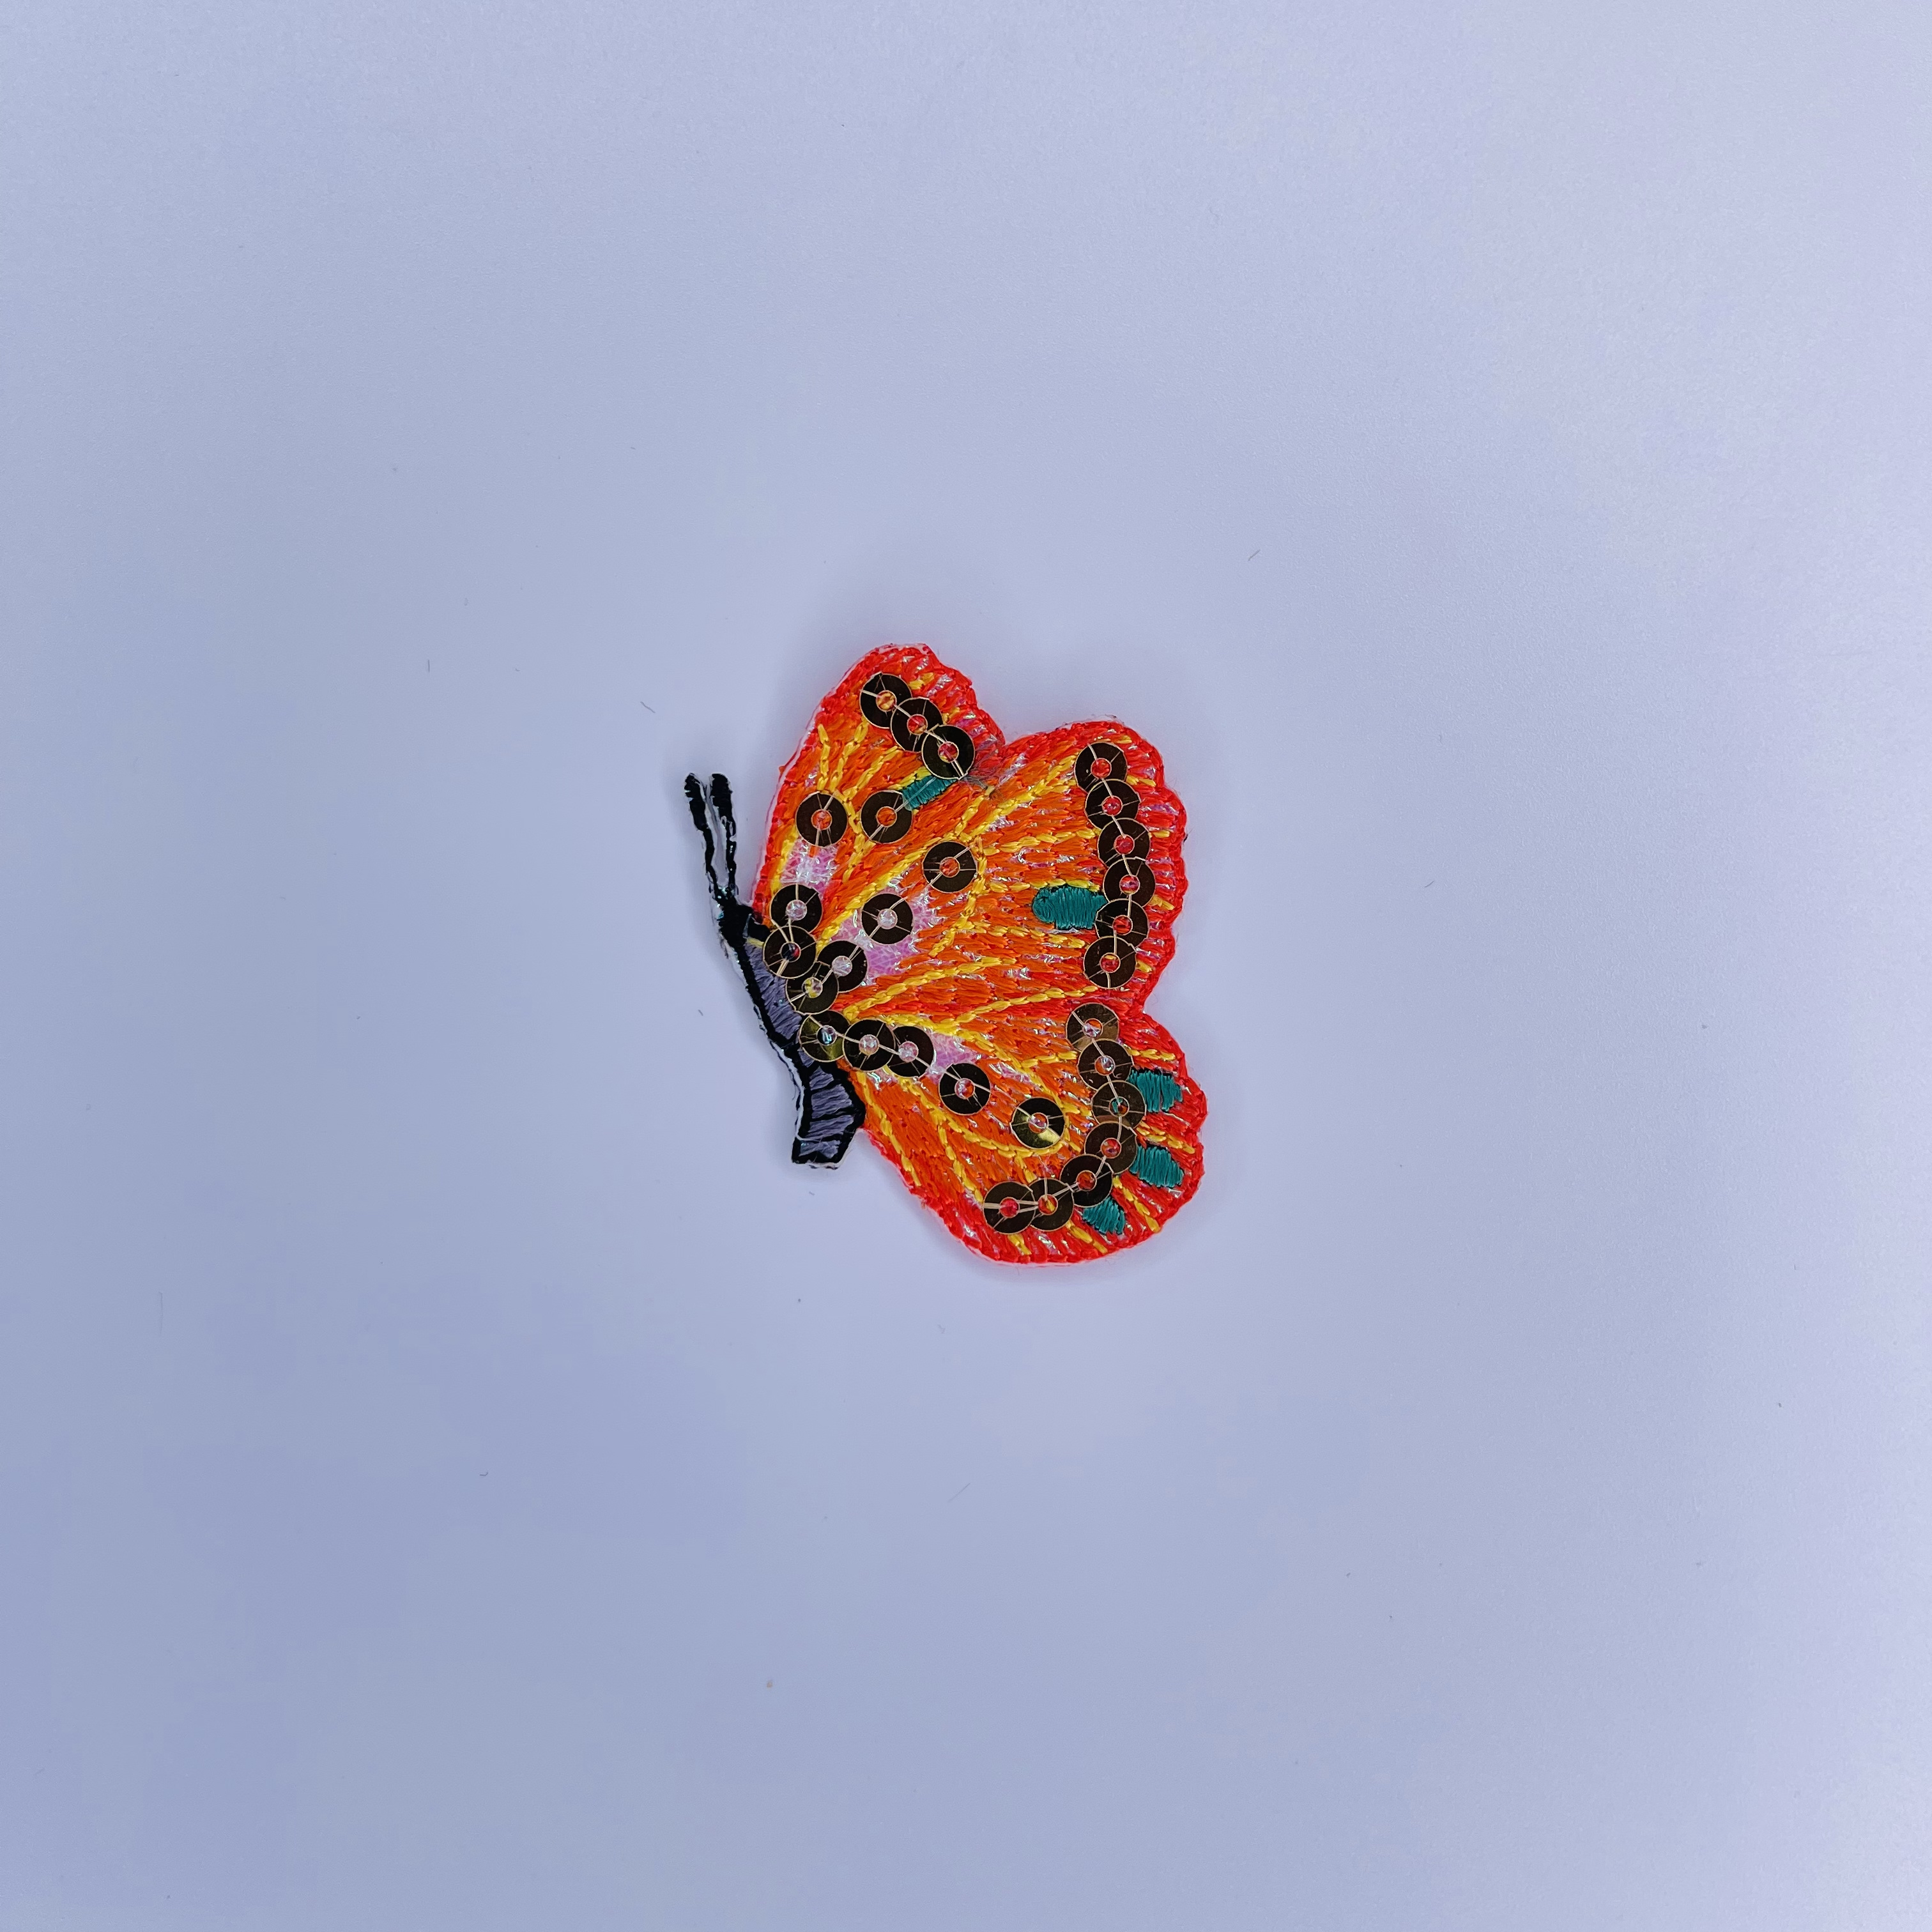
(1104, 1059)
(1098, 761)
(887, 918)
(1090, 1177)
(821, 819)
(822, 1036)
(1119, 1100)
(796, 905)
(1129, 879)
(964, 1088)
(1125, 839)
(881, 696)
(1109, 802)
(812, 991)
(912, 1052)
(868, 1045)
(1109, 962)
(1090, 1020)
(845, 962)
(1038, 1121)
(949, 867)
(947, 751)
(790, 951)
(1115, 1143)
(1123, 919)
(912, 720)
(1054, 1200)
(885, 818)
(1009, 1208)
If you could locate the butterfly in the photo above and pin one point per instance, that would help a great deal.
(951, 940)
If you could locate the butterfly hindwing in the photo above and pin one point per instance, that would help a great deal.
(971, 929)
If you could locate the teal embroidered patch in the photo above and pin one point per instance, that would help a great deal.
(1158, 1167)
(1068, 908)
(1104, 1217)
(1158, 1089)
(923, 790)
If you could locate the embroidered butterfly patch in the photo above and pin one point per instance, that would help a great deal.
(950, 940)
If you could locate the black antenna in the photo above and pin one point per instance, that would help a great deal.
(695, 793)
(721, 799)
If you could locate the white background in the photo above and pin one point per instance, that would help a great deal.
(454, 1472)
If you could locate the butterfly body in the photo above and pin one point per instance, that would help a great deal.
(830, 1110)
(950, 940)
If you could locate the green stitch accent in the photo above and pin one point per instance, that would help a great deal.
(1068, 908)
(923, 789)
(1104, 1217)
(1157, 1167)
(1158, 1089)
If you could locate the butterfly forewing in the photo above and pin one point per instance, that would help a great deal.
(1009, 906)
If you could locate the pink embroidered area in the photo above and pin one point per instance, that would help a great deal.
(809, 865)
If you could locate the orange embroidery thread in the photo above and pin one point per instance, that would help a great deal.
(951, 939)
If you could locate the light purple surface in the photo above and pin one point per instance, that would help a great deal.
(454, 1474)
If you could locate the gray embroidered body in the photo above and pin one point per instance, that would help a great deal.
(829, 1110)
